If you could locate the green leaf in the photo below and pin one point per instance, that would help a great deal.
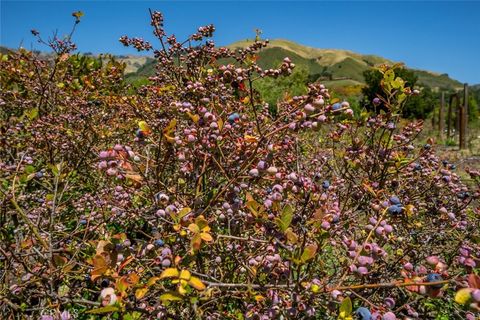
(32, 113)
(389, 76)
(106, 309)
(345, 309)
(286, 218)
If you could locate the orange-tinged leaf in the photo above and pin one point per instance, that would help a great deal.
(309, 252)
(169, 273)
(59, 261)
(474, 281)
(251, 139)
(185, 275)
(196, 242)
(125, 263)
(206, 236)
(196, 283)
(133, 278)
(99, 261)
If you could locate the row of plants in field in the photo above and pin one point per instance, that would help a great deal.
(189, 197)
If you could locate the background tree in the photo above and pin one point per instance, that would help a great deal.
(418, 106)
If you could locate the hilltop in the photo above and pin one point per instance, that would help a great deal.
(334, 67)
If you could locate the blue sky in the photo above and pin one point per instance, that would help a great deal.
(437, 36)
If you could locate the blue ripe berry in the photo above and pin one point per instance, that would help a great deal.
(363, 314)
(159, 243)
(234, 117)
(427, 146)
(326, 184)
(140, 134)
(417, 167)
(453, 167)
(83, 222)
(445, 162)
(434, 277)
(336, 106)
(394, 209)
(394, 200)
(39, 175)
(463, 195)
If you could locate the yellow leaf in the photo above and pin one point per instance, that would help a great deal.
(171, 126)
(181, 289)
(220, 124)
(152, 281)
(195, 118)
(206, 237)
(196, 283)
(170, 296)
(170, 139)
(185, 275)
(463, 296)
(134, 177)
(345, 309)
(250, 139)
(144, 126)
(141, 292)
(169, 273)
(193, 228)
(409, 209)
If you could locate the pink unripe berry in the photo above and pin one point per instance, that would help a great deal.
(432, 260)
(309, 108)
(272, 170)
(318, 102)
(476, 295)
(389, 316)
(103, 154)
(254, 172)
(322, 118)
(103, 165)
(112, 172)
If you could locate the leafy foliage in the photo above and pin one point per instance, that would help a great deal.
(186, 198)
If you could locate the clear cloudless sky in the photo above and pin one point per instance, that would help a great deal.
(436, 36)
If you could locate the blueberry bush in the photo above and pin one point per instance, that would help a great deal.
(187, 198)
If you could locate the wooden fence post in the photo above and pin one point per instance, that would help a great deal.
(441, 116)
(464, 119)
(449, 117)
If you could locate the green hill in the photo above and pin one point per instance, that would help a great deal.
(337, 67)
